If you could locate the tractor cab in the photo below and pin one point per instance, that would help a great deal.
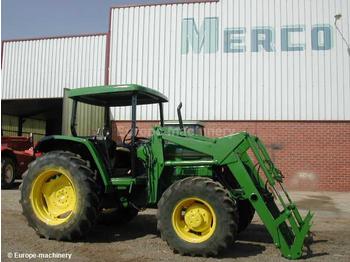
(119, 158)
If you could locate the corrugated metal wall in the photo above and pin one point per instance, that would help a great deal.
(42, 68)
(9, 126)
(280, 83)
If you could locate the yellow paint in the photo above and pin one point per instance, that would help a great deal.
(53, 196)
(194, 220)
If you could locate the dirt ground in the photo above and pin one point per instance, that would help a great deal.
(139, 240)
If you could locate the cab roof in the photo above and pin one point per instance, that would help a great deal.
(116, 95)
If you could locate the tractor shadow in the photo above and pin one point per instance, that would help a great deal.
(142, 225)
(251, 242)
(242, 249)
(15, 185)
(146, 225)
(309, 253)
(257, 233)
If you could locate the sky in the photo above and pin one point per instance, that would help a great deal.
(39, 18)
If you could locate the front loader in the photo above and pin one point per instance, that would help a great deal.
(206, 189)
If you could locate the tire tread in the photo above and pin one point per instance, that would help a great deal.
(221, 195)
(86, 219)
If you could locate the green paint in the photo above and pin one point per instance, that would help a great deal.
(116, 95)
(90, 147)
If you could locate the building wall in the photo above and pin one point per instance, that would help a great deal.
(278, 69)
(42, 68)
(9, 127)
(236, 59)
(312, 155)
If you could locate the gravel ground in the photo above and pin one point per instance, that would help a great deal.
(139, 240)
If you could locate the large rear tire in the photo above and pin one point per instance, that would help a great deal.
(197, 217)
(8, 172)
(59, 196)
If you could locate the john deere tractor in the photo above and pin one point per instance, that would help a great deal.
(206, 189)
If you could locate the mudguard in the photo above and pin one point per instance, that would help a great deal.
(82, 146)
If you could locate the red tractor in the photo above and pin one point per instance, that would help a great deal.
(16, 153)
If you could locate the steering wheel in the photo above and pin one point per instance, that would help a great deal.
(128, 133)
(127, 140)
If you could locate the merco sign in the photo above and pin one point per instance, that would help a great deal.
(205, 38)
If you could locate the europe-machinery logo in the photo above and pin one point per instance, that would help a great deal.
(204, 37)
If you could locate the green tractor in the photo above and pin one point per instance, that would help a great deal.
(206, 189)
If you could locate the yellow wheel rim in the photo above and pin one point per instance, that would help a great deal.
(194, 220)
(53, 196)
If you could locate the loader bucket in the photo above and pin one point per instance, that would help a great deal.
(276, 209)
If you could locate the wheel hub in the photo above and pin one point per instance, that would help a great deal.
(9, 173)
(194, 220)
(61, 197)
(53, 196)
(198, 218)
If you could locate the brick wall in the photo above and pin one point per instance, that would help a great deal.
(311, 155)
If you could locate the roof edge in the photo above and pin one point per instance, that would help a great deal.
(53, 37)
(155, 3)
(76, 92)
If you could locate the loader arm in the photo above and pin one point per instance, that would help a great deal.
(285, 224)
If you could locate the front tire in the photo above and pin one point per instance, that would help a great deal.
(8, 172)
(59, 196)
(197, 217)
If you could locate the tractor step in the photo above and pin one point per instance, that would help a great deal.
(124, 182)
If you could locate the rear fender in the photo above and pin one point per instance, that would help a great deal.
(80, 146)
